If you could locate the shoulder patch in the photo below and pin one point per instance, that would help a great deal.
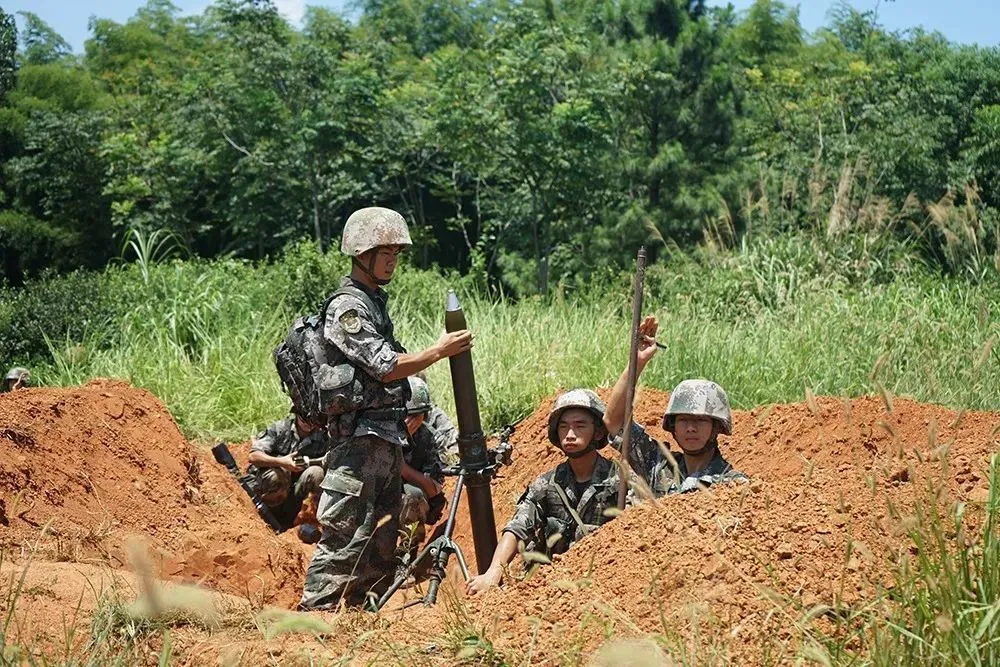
(350, 322)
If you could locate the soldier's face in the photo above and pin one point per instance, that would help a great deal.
(692, 432)
(577, 430)
(386, 258)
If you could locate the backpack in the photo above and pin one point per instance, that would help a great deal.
(315, 373)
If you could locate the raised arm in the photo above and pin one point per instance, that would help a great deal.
(614, 416)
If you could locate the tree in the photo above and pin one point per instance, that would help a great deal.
(42, 44)
(8, 53)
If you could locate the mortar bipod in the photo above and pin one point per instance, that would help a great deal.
(440, 549)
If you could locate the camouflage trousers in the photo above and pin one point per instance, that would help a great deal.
(359, 516)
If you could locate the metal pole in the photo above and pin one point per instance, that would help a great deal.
(633, 357)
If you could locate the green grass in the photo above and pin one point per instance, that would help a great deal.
(766, 322)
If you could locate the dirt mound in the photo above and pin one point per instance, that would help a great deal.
(833, 481)
(105, 461)
(730, 572)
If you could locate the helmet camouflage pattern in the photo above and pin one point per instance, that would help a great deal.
(576, 398)
(372, 227)
(702, 398)
(18, 373)
(420, 397)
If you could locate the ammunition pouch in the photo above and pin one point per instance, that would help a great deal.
(337, 388)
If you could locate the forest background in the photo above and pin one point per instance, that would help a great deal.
(177, 186)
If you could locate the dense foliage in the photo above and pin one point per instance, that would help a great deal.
(770, 321)
(528, 143)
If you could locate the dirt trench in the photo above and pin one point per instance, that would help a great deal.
(730, 571)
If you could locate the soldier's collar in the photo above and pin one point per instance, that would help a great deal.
(377, 293)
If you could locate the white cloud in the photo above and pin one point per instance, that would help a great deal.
(293, 10)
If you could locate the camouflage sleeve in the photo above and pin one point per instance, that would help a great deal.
(426, 453)
(445, 432)
(529, 517)
(349, 326)
(266, 442)
(643, 453)
(695, 482)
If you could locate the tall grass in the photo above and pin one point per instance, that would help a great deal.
(766, 321)
(945, 606)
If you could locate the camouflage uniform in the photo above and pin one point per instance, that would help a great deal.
(647, 458)
(423, 455)
(445, 433)
(666, 473)
(541, 511)
(362, 486)
(281, 439)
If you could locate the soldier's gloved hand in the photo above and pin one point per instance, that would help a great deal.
(436, 509)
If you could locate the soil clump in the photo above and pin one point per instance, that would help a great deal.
(103, 462)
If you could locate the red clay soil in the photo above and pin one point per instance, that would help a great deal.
(738, 566)
(105, 461)
(730, 571)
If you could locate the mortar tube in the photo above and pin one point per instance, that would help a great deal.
(471, 442)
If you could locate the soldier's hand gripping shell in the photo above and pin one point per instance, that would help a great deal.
(456, 342)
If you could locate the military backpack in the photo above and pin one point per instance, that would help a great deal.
(314, 372)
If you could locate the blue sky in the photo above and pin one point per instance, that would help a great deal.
(965, 21)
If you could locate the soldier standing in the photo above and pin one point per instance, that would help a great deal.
(359, 509)
(697, 412)
(567, 502)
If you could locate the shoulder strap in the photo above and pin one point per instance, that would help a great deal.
(351, 291)
(572, 510)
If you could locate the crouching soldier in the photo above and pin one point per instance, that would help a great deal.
(697, 413)
(444, 430)
(16, 378)
(422, 470)
(282, 478)
(567, 502)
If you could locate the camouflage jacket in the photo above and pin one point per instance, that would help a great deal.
(281, 439)
(649, 460)
(445, 433)
(541, 511)
(422, 454)
(366, 339)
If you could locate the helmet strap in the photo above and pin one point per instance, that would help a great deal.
(592, 447)
(370, 269)
(711, 444)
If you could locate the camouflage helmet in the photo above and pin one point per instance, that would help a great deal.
(699, 397)
(420, 397)
(576, 398)
(18, 373)
(273, 485)
(372, 227)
